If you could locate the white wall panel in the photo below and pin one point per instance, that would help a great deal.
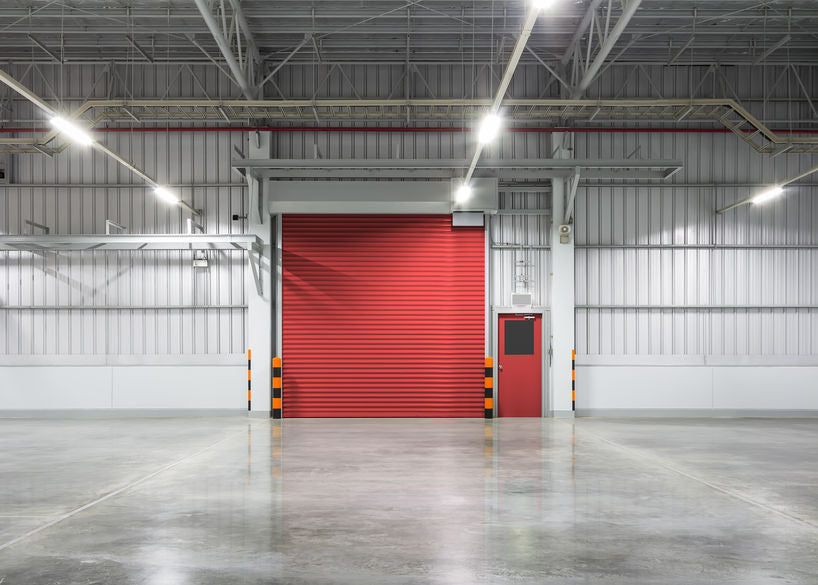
(31, 388)
(179, 387)
(644, 387)
(39, 388)
(698, 390)
(659, 273)
(81, 303)
(520, 260)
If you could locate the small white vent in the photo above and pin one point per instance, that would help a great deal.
(518, 299)
(467, 219)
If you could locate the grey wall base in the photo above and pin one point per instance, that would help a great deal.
(122, 412)
(702, 390)
(693, 413)
(124, 388)
(561, 414)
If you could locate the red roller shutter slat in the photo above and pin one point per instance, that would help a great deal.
(383, 315)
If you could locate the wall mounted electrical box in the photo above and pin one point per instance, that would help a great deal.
(467, 219)
(522, 299)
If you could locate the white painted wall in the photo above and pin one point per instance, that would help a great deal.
(125, 388)
(714, 390)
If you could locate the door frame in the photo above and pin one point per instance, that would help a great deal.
(545, 314)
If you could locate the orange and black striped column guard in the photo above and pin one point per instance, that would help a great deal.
(488, 396)
(276, 410)
(249, 380)
(573, 380)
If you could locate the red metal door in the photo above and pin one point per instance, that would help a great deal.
(383, 315)
(519, 367)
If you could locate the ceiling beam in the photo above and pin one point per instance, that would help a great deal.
(448, 168)
(681, 51)
(139, 49)
(45, 49)
(583, 24)
(771, 50)
(307, 38)
(629, 9)
(249, 37)
(548, 68)
(238, 73)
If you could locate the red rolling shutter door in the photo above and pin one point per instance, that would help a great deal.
(383, 315)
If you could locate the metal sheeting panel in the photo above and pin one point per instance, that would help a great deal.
(383, 315)
(405, 145)
(773, 94)
(104, 303)
(659, 273)
(520, 260)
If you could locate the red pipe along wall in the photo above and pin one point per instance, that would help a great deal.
(410, 129)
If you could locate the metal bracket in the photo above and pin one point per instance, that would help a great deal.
(110, 224)
(34, 224)
(572, 194)
(259, 199)
(192, 225)
(254, 191)
(254, 256)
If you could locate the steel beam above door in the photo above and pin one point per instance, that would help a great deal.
(378, 197)
(452, 168)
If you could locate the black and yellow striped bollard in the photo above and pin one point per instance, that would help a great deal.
(488, 396)
(276, 411)
(573, 380)
(249, 382)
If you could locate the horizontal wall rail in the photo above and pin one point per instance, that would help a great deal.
(119, 307)
(725, 112)
(129, 242)
(697, 246)
(696, 307)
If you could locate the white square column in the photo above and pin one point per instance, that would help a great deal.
(260, 304)
(562, 297)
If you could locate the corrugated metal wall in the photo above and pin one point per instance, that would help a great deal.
(659, 273)
(605, 215)
(520, 259)
(771, 93)
(86, 296)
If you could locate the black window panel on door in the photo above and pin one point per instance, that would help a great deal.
(519, 337)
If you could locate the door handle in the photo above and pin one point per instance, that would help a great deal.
(499, 367)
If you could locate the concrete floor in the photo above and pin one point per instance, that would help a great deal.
(226, 501)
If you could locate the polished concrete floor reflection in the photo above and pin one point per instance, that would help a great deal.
(227, 501)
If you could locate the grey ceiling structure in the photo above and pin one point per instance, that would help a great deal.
(388, 31)
(746, 67)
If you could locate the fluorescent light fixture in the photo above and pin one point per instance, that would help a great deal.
(489, 128)
(771, 193)
(543, 4)
(463, 193)
(166, 196)
(72, 131)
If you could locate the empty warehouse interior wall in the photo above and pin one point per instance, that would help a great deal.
(96, 330)
(767, 315)
(520, 238)
(729, 302)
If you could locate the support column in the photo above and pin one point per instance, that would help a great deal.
(260, 304)
(562, 295)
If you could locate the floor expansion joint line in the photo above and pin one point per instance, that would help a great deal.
(112, 494)
(641, 455)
